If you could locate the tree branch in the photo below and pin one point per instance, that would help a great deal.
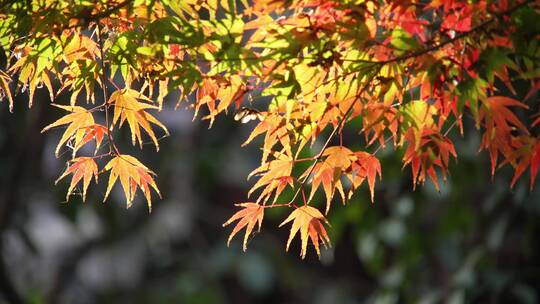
(112, 145)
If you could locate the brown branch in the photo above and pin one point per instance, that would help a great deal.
(96, 17)
(105, 104)
(459, 36)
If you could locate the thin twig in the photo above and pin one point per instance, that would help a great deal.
(105, 104)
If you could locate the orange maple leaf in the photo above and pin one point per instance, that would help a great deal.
(376, 118)
(276, 130)
(132, 173)
(249, 216)
(309, 221)
(329, 172)
(79, 119)
(4, 89)
(218, 93)
(96, 132)
(127, 107)
(366, 166)
(82, 168)
(275, 176)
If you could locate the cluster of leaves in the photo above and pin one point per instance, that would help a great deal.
(406, 72)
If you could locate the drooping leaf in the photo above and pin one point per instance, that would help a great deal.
(500, 123)
(127, 107)
(524, 155)
(328, 173)
(366, 166)
(93, 132)
(4, 89)
(248, 217)
(309, 221)
(132, 174)
(433, 151)
(78, 122)
(82, 168)
(275, 175)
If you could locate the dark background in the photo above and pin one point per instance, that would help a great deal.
(477, 241)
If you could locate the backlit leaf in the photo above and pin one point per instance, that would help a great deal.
(78, 122)
(4, 89)
(82, 168)
(309, 221)
(133, 174)
(248, 217)
(127, 107)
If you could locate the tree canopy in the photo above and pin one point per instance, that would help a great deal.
(302, 72)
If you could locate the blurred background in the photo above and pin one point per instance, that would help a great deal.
(477, 241)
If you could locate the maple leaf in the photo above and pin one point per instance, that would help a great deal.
(132, 173)
(432, 151)
(276, 130)
(309, 221)
(248, 217)
(4, 89)
(366, 166)
(82, 168)
(96, 132)
(218, 90)
(79, 119)
(417, 116)
(81, 56)
(128, 108)
(275, 175)
(33, 69)
(329, 172)
(376, 118)
(498, 115)
(499, 122)
(526, 154)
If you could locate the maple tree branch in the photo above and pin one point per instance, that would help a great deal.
(112, 145)
(383, 144)
(86, 20)
(459, 36)
(404, 57)
(318, 157)
(450, 128)
(276, 205)
(110, 10)
(304, 159)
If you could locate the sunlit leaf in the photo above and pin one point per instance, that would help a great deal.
(251, 215)
(309, 222)
(82, 168)
(133, 174)
(127, 107)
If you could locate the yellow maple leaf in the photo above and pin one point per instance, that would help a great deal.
(4, 89)
(275, 175)
(128, 107)
(308, 221)
(82, 168)
(132, 174)
(79, 119)
(249, 216)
